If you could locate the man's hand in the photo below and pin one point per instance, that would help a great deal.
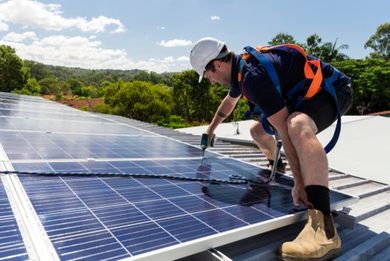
(299, 196)
(206, 140)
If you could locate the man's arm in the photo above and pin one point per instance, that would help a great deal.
(225, 108)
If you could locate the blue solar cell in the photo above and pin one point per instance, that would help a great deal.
(138, 194)
(92, 246)
(108, 249)
(192, 204)
(186, 228)
(59, 125)
(220, 220)
(68, 167)
(248, 214)
(50, 146)
(44, 114)
(144, 237)
(121, 183)
(11, 241)
(170, 191)
(159, 209)
(121, 215)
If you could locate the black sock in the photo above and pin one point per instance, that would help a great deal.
(319, 197)
(279, 164)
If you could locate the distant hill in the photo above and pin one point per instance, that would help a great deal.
(91, 76)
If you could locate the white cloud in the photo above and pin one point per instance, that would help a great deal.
(15, 37)
(3, 26)
(31, 13)
(87, 53)
(215, 18)
(175, 43)
(161, 27)
(98, 25)
(183, 59)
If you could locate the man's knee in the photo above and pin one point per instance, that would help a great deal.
(253, 129)
(300, 126)
(256, 130)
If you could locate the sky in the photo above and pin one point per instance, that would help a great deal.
(157, 35)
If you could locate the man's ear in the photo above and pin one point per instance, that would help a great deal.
(218, 64)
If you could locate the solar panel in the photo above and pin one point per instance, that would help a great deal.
(117, 216)
(11, 242)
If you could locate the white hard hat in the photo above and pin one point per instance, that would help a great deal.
(205, 50)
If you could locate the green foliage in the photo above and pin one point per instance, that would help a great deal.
(380, 42)
(50, 86)
(282, 38)
(93, 77)
(175, 121)
(31, 88)
(370, 82)
(328, 52)
(140, 100)
(75, 86)
(313, 45)
(13, 75)
(89, 91)
(195, 101)
(104, 108)
(38, 70)
(241, 108)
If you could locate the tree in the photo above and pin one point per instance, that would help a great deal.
(89, 91)
(328, 52)
(331, 52)
(75, 86)
(31, 88)
(194, 101)
(140, 100)
(13, 75)
(370, 83)
(282, 38)
(380, 42)
(38, 70)
(313, 45)
(50, 86)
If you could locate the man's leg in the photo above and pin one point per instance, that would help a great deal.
(319, 238)
(266, 143)
(311, 154)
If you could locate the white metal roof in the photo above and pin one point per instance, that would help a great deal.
(363, 147)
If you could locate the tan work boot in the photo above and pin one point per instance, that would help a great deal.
(312, 243)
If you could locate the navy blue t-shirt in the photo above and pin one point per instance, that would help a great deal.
(259, 88)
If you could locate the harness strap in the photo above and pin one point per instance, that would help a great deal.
(315, 86)
(267, 65)
(328, 86)
(316, 76)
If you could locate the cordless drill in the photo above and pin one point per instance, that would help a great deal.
(205, 142)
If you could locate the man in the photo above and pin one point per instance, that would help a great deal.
(265, 142)
(300, 96)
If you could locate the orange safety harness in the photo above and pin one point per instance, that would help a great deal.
(315, 76)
